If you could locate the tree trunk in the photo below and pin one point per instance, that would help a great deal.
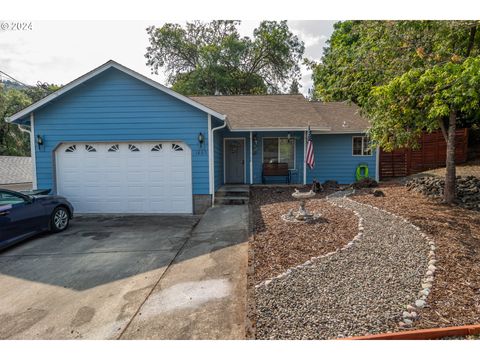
(449, 192)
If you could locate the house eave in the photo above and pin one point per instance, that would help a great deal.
(110, 64)
(272, 129)
(358, 131)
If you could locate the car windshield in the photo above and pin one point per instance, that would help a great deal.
(7, 198)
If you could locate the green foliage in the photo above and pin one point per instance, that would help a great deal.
(419, 99)
(406, 75)
(13, 141)
(209, 58)
(363, 54)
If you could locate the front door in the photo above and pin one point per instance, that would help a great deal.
(234, 161)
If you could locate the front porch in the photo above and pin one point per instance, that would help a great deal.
(240, 156)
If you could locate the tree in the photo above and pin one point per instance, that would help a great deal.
(211, 58)
(363, 54)
(294, 88)
(422, 100)
(13, 141)
(400, 68)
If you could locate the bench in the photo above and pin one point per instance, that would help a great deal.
(275, 169)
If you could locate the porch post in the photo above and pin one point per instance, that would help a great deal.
(304, 158)
(251, 159)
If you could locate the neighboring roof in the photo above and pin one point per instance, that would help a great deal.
(15, 170)
(269, 112)
(342, 117)
(110, 64)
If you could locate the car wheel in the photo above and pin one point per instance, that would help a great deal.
(59, 220)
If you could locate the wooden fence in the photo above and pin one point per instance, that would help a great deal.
(430, 155)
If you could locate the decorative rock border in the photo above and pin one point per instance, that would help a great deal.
(309, 262)
(411, 310)
(410, 314)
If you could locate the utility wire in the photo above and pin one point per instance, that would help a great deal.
(12, 78)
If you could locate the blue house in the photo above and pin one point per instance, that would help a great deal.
(115, 141)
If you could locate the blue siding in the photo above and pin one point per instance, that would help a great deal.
(334, 159)
(257, 155)
(116, 107)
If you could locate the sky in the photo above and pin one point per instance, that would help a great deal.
(60, 51)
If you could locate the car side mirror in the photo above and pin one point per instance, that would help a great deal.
(29, 199)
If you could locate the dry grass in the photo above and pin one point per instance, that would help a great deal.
(471, 168)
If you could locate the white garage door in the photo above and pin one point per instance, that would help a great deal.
(145, 177)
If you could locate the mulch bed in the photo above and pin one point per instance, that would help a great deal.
(278, 245)
(455, 296)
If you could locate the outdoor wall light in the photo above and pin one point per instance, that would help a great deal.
(201, 139)
(39, 140)
(255, 140)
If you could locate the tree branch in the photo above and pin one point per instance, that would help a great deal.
(471, 41)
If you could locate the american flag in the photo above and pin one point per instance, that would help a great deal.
(310, 159)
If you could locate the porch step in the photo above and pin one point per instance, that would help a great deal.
(231, 200)
(232, 195)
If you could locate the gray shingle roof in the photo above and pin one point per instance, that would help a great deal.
(265, 111)
(286, 112)
(342, 116)
(15, 169)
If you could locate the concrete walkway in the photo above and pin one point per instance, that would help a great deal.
(202, 295)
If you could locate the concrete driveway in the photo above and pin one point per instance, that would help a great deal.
(110, 277)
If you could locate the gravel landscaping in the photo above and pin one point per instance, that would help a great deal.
(363, 289)
(279, 245)
(455, 296)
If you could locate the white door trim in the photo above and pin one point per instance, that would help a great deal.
(244, 158)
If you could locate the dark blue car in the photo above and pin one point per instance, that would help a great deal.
(22, 215)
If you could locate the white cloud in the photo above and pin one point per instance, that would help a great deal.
(60, 51)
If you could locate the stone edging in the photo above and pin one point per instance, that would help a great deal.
(410, 314)
(308, 263)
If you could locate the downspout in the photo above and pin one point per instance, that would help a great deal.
(210, 155)
(377, 164)
(251, 159)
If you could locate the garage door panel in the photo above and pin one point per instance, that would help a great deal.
(126, 177)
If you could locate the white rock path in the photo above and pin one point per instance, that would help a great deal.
(376, 283)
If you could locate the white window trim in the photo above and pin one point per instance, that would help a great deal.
(363, 140)
(278, 155)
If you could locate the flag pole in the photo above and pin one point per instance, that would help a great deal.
(305, 156)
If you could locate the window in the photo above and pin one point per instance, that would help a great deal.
(279, 150)
(133, 148)
(361, 146)
(114, 148)
(7, 198)
(176, 147)
(90, 148)
(71, 148)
